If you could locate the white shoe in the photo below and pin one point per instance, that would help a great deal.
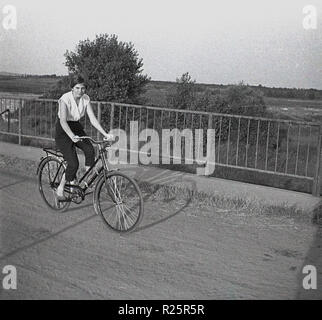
(59, 196)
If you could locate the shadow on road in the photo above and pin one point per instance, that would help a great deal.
(158, 183)
(78, 207)
(28, 246)
(12, 184)
(163, 219)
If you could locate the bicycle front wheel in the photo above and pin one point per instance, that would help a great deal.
(118, 200)
(50, 173)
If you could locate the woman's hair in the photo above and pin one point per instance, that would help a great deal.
(75, 79)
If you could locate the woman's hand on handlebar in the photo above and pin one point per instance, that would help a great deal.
(75, 139)
(108, 137)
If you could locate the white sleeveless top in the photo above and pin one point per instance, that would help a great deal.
(74, 112)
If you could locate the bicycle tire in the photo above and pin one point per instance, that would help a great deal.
(119, 218)
(47, 172)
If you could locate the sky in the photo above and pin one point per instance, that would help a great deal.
(222, 42)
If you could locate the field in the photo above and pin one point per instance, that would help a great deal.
(156, 95)
(32, 85)
(296, 109)
(291, 103)
(22, 95)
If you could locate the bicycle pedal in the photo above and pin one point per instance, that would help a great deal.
(77, 200)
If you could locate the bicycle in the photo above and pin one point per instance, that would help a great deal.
(117, 197)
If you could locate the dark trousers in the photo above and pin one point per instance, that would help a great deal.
(68, 148)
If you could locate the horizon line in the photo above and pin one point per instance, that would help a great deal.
(9, 73)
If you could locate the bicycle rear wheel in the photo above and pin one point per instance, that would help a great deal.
(118, 200)
(50, 173)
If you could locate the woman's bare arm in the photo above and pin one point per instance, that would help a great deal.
(95, 122)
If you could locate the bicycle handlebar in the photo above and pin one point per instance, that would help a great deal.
(95, 141)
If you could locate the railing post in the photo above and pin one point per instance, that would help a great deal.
(9, 119)
(20, 120)
(210, 125)
(112, 116)
(210, 121)
(99, 118)
(318, 168)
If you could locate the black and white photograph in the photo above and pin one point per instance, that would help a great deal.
(161, 151)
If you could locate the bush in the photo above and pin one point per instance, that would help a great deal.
(111, 68)
(236, 100)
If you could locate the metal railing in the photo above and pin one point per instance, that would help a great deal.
(285, 148)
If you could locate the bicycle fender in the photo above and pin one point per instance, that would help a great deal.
(42, 159)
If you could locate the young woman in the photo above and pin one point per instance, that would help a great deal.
(72, 107)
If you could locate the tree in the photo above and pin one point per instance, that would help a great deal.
(243, 100)
(184, 96)
(112, 69)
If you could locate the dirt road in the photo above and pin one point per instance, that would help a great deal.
(182, 250)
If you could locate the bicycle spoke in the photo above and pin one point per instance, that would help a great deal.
(118, 219)
(124, 215)
(113, 189)
(129, 215)
(127, 209)
(117, 192)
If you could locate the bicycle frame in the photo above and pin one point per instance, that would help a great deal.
(104, 167)
(82, 191)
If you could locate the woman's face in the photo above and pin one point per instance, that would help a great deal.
(78, 90)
